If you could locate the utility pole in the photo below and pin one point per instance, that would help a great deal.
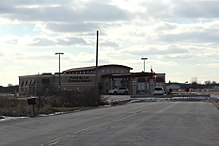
(144, 62)
(96, 60)
(59, 53)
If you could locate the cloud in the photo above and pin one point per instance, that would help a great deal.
(172, 34)
(82, 57)
(179, 9)
(197, 9)
(110, 44)
(72, 27)
(43, 42)
(1, 54)
(71, 41)
(192, 37)
(59, 11)
(213, 65)
(154, 50)
(67, 41)
(202, 31)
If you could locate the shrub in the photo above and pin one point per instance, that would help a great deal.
(12, 106)
(88, 97)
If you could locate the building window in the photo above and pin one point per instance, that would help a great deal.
(22, 83)
(100, 86)
(45, 81)
(141, 86)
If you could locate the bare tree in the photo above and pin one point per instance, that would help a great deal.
(207, 82)
(194, 80)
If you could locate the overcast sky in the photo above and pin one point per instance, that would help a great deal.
(179, 37)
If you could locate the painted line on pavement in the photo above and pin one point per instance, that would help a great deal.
(108, 122)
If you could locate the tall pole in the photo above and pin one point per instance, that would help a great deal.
(96, 59)
(144, 62)
(59, 53)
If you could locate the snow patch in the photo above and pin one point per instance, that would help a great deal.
(5, 118)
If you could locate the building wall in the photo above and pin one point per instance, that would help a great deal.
(35, 84)
(72, 80)
(108, 77)
(137, 83)
(77, 82)
(113, 70)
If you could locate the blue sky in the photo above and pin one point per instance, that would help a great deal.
(179, 37)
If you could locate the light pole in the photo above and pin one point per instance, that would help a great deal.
(59, 53)
(144, 62)
(96, 60)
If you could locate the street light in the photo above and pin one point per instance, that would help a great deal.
(59, 53)
(144, 62)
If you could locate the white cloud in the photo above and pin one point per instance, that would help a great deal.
(179, 37)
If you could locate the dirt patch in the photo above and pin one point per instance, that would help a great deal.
(215, 93)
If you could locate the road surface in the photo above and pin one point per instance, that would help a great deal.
(136, 124)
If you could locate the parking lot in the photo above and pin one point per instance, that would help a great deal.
(145, 123)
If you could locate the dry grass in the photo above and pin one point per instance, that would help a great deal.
(215, 93)
(68, 102)
(13, 106)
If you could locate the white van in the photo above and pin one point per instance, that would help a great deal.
(159, 90)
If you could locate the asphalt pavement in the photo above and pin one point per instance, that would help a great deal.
(141, 124)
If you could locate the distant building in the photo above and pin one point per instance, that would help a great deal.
(80, 79)
(173, 87)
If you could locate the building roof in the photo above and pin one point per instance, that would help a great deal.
(94, 67)
(135, 74)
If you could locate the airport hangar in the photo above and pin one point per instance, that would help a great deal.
(79, 79)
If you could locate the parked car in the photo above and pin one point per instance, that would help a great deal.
(121, 90)
(159, 91)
